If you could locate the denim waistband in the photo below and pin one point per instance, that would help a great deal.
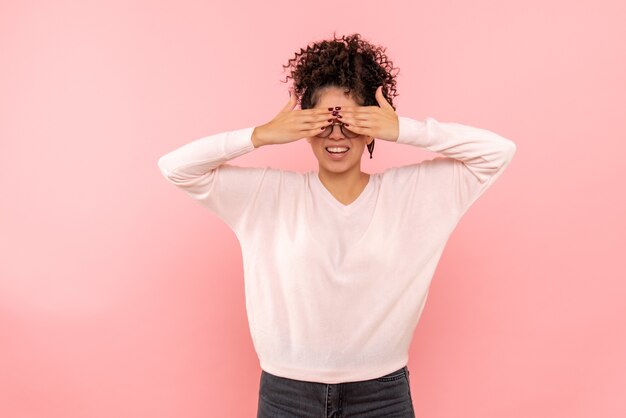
(391, 375)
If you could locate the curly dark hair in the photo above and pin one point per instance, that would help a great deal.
(348, 62)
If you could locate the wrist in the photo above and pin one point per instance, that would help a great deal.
(257, 138)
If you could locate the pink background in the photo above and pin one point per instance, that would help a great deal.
(121, 297)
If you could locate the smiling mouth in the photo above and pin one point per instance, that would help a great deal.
(337, 150)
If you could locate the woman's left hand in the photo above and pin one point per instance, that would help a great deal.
(379, 122)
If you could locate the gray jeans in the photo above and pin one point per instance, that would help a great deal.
(388, 396)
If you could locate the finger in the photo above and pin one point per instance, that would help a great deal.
(361, 129)
(381, 99)
(359, 109)
(356, 116)
(316, 116)
(291, 103)
(318, 123)
(362, 114)
(351, 122)
(316, 111)
(315, 128)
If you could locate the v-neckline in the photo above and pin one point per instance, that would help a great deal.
(333, 200)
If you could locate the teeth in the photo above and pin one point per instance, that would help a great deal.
(337, 149)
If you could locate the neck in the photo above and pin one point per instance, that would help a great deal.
(345, 185)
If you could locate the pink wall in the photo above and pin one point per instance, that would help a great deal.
(121, 297)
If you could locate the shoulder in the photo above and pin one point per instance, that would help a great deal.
(276, 179)
(429, 168)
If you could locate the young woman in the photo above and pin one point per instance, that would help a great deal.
(338, 262)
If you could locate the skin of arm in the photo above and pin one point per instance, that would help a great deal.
(256, 140)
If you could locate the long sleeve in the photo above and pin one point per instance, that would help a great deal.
(473, 158)
(200, 169)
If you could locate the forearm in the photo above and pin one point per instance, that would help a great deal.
(198, 157)
(482, 151)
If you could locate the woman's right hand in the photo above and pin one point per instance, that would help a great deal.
(290, 125)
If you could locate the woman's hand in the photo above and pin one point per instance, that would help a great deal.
(379, 122)
(290, 125)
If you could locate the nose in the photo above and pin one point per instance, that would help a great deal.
(336, 133)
